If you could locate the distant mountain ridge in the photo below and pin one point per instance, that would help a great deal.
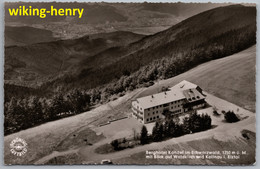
(48, 59)
(109, 12)
(141, 18)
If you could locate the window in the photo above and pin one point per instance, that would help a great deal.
(153, 117)
(148, 109)
(147, 119)
(157, 117)
(156, 111)
(165, 105)
(153, 112)
(148, 114)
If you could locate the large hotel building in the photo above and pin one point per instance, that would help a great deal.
(181, 98)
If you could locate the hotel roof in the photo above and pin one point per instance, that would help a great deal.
(160, 98)
(184, 85)
(182, 90)
(193, 95)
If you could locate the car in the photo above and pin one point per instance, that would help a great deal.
(106, 161)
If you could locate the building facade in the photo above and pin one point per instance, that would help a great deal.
(181, 98)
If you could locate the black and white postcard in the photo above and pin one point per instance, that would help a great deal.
(129, 83)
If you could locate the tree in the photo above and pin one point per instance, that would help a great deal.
(78, 101)
(157, 131)
(195, 123)
(144, 136)
(115, 144)
(57, 106)
(205, 122)
(178, 130)
(231, 117)
(36, 111)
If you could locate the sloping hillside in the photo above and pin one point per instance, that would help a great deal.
(42, 60)
(44, 138)
(231, 78)
(210, 35)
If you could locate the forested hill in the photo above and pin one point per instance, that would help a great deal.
(110, 73)
(35, 63)
(209, 35)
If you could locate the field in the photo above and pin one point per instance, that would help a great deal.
(231, 78)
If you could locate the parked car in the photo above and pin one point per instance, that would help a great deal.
(106, 161)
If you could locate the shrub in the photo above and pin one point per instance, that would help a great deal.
(115, 144)
(231, 117)
(216, 113)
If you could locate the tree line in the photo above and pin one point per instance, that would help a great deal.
(31, 111)
(174, 128)
(168, 128)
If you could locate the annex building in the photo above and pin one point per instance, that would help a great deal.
(181, 98)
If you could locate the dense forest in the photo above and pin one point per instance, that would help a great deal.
(162, 59)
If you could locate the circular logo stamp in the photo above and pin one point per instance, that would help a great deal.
(18, 146)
